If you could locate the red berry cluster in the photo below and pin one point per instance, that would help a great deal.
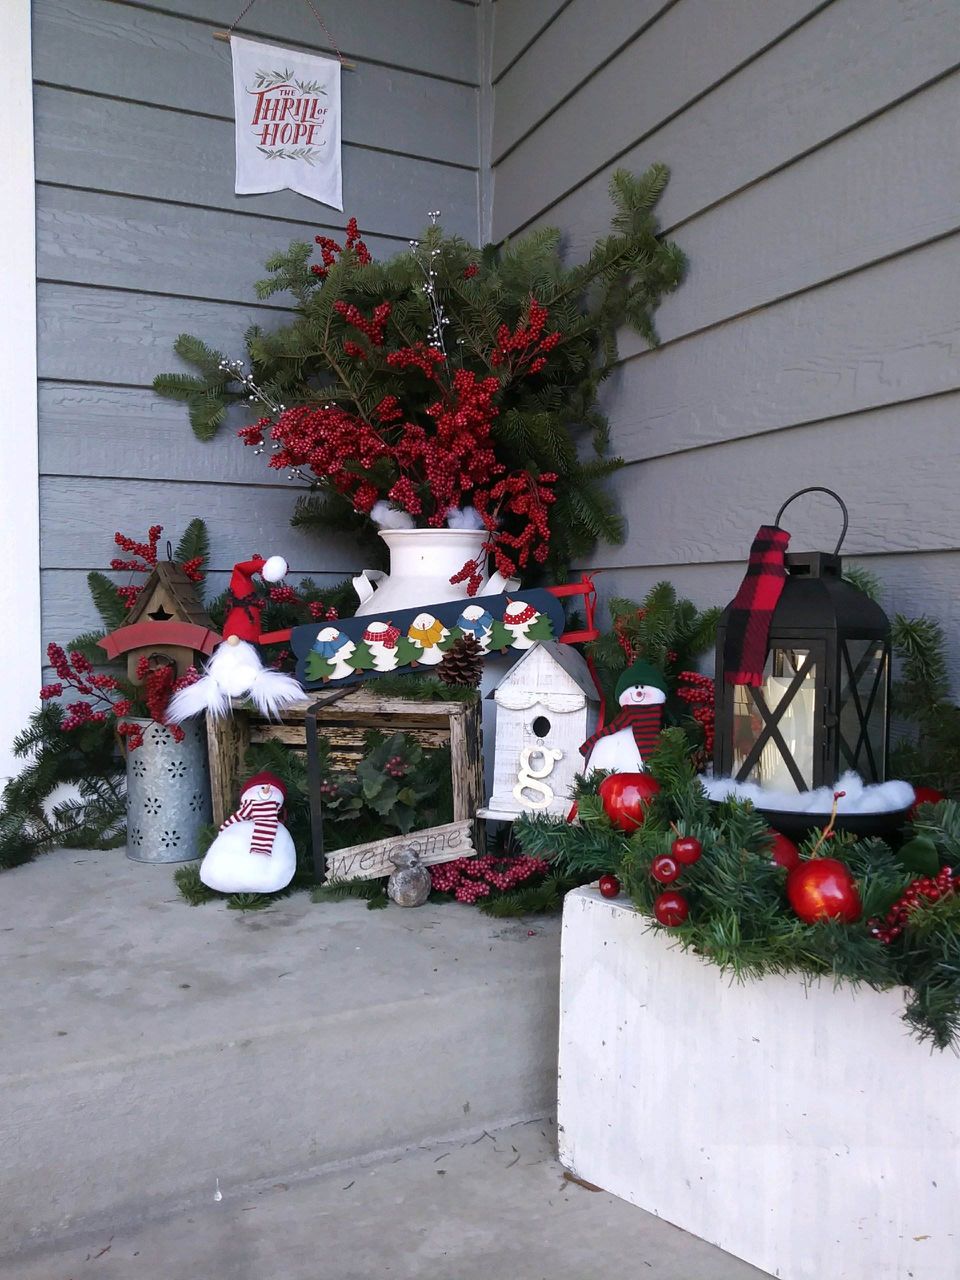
(160, 683)
(354, 350)
(192, 568)
(470, 879)
(699, 691)
(320, 612)
(525, 345)
(131, 733)
(284, 595)
(419, 356)
(924, 889)
(80, 713)
(374, 329)
(330, 248)
(396, 767)
(470, 271)
(145, 550)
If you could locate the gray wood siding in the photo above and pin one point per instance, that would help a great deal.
(815, 190)
(140, 237)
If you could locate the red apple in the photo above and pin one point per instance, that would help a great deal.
(686, 850)
(665, 869)
(671, 908)
(625, 797)
(925, 795)
(609, 886)
(784, 852)
(823, 889)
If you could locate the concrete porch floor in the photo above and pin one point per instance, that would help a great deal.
(496, 1207)
(332, 1067)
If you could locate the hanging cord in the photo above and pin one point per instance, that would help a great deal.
(225, 35)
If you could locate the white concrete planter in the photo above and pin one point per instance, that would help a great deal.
(799, 1128)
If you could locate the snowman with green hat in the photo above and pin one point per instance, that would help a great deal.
(631, 736)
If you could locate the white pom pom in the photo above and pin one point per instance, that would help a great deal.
(387, 517)
(275, 569)
(464, 518)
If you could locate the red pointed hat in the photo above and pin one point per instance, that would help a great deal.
(243, 617)
(265, 779)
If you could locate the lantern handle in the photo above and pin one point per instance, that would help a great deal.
(818, 488)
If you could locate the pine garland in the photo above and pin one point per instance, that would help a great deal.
(739, 918)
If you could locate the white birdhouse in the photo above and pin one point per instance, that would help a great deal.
(546, 707)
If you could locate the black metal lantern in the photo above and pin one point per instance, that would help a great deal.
(824, 704)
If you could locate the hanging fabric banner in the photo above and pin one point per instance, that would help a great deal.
(287, 111)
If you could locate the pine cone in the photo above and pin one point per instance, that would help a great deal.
(462, 664)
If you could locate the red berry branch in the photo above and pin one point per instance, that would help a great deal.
(470, 879)
(432, 449)
(699, 692)
(919, 893)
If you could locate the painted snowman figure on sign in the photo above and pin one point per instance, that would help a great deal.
(621, 745)
(253, 852)
(427, 633)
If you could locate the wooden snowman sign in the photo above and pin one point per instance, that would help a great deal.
(546, 704)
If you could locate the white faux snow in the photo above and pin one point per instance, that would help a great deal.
(464, 518)
(387, 517)
(884, 797)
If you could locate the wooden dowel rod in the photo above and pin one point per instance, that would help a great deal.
(225, 37)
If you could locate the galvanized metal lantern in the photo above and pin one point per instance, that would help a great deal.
(824, 704)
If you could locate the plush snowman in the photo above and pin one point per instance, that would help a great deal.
(253, 852)
(333, 648)
(622, 744)
(381, 638)
(477, 622)
(427, 633)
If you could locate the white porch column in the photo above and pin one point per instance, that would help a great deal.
(19, 473)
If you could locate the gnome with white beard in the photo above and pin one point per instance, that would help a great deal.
(631, 737)
(235, 669)
(254, 851)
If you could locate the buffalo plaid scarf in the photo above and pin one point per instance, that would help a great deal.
(644, 721)
(748, 624)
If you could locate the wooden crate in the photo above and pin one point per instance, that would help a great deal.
(344, 724)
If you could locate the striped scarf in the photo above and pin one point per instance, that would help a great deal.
(645, 723)
(750, 616)
(265, 816)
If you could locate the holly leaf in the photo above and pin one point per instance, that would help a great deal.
(920, 855)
